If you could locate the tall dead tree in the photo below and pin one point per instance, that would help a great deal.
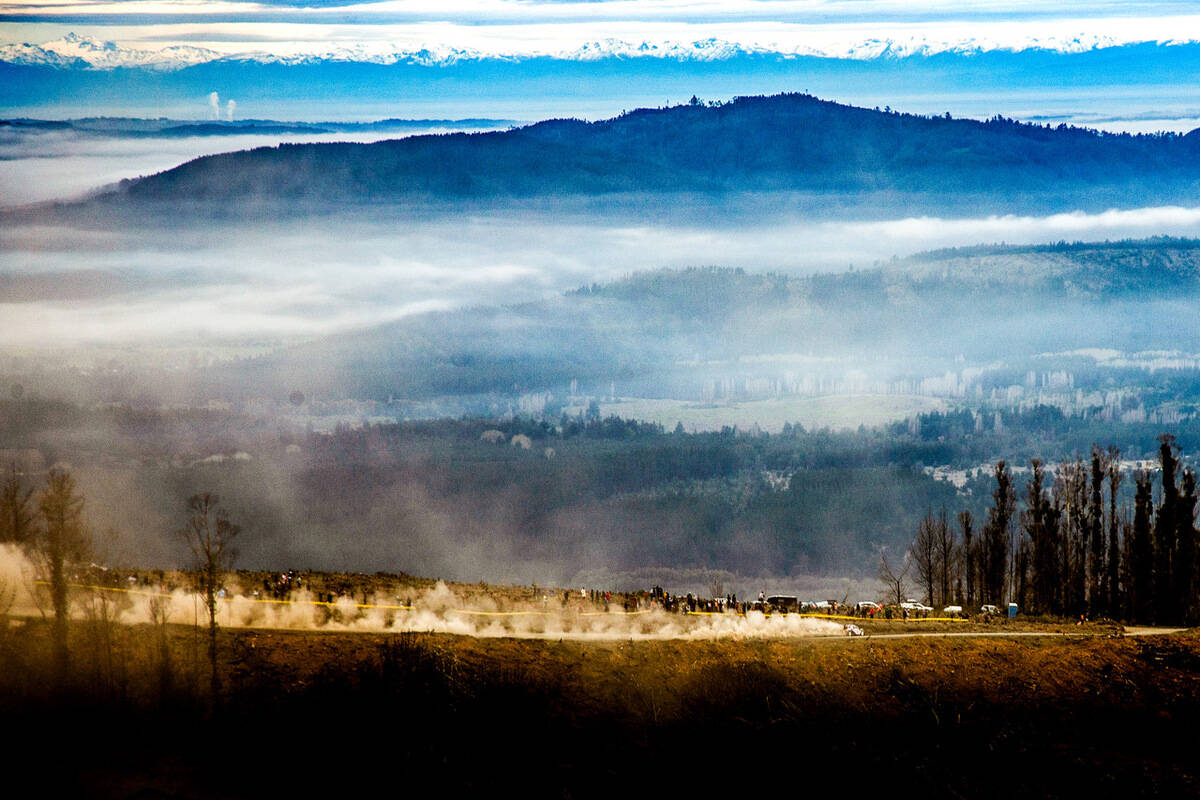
(1112, 583)
(970, 558)
(997, 536)
(947, 558)
(18, 515)
(1184, 560)
(893, 577)
(1070, 496)
(1165, 539)
(209, 535)
(923, 552)
(1141, 551)
(1043, 541)
(1095, 535)
(60, 542)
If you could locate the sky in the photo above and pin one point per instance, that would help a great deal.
(525, 27)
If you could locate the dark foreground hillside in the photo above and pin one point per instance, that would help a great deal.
(790, 143)
(340, 715)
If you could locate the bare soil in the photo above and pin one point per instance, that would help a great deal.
(1073, 711)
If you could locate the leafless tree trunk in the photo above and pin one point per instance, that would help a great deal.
(966, 523)
(1070, 494)
(924, 551)
(1096, 568)
(209, 534)
(18, 517)
(159, 613)
(947, 559)
(101, 607)
(61, 541)
(894, 579)
(1112, 583)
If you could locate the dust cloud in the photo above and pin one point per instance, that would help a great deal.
(434, 610)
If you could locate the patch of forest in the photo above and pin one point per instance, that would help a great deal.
(782, 143)
(524, 499)
(642, 331)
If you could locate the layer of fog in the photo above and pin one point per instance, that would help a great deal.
(42, 165)
(274, 282)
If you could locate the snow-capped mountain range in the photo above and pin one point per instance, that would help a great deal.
(85, 52)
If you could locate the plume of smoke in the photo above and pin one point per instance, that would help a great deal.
(214, 105)
(230, 107)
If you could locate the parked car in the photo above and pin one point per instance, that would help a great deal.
(913, 605)
(953, 611)
(989, 609)
(867, 606)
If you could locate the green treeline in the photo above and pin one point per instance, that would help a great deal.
(1072, 549)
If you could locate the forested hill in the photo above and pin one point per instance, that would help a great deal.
(644, 327)
(786, 143)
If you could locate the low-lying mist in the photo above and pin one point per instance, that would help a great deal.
(271, 281)
(40, 165)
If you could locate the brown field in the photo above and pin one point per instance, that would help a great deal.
(1078, 711)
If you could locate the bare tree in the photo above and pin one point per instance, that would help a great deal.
(209, 535)
(970, 555)
(1112, 583)
(1141, 550)
(924, 552)
(996, 546)
(1070, 495)
(895, 580)
(160, 614)
(101, 607)
(8, 596)
(1096, 567)
(18, 516)
(61, 541)
(947, 557)
(1040, 525)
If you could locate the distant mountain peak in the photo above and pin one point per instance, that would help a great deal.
(87, 52)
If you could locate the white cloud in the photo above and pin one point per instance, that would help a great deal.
(379, 31)
(289, 280)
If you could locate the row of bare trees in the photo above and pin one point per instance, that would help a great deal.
(50, 527)
(1073, 548)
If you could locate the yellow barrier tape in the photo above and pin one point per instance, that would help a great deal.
(832, 616)
(474, 613)
(884, 619)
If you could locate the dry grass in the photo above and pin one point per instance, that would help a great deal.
(1088, 713)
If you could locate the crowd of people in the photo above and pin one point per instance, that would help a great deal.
(285, 587)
